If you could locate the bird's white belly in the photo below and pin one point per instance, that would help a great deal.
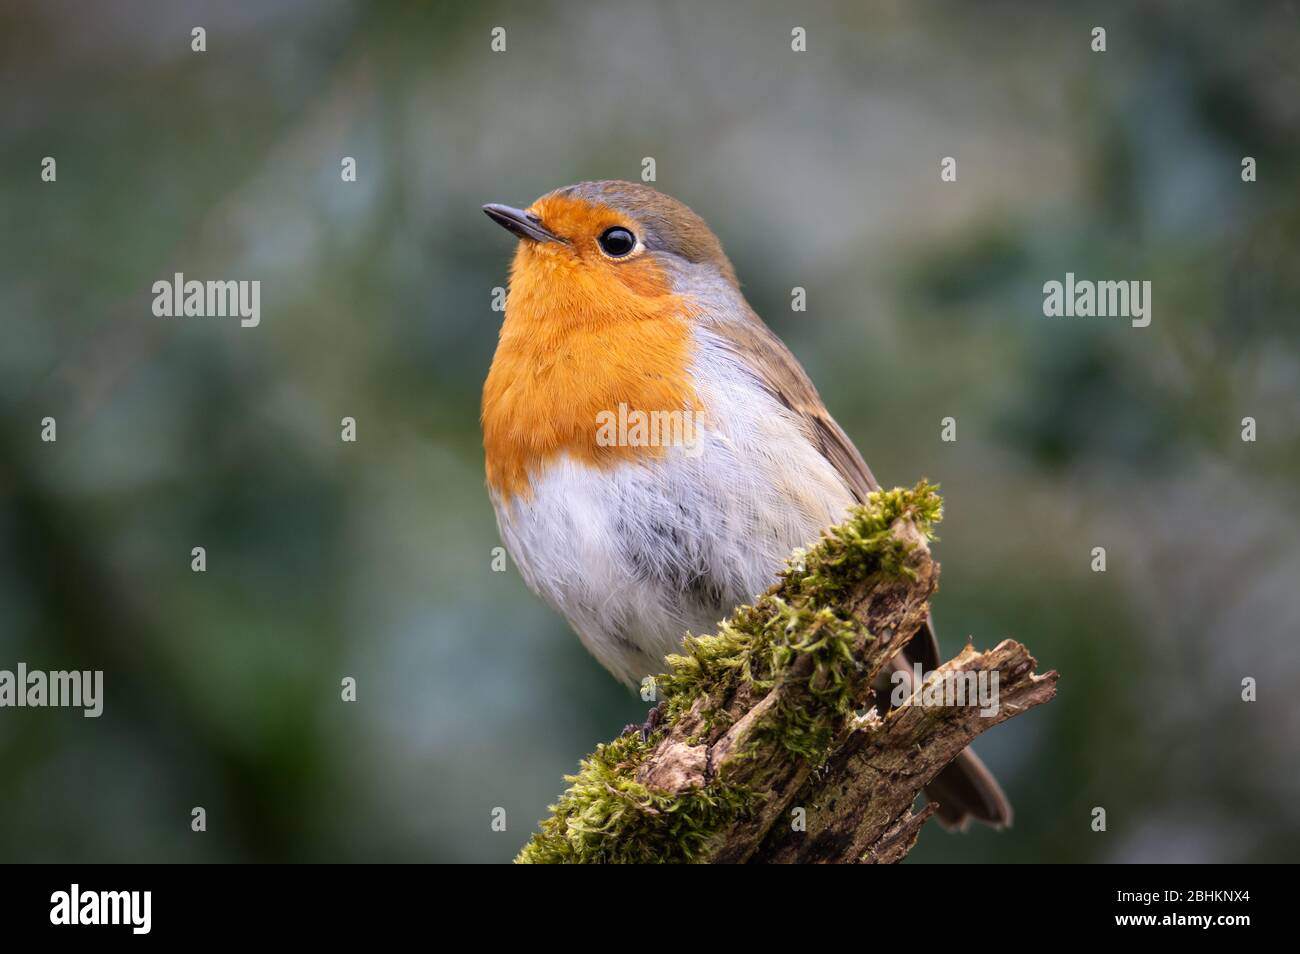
(636, 555)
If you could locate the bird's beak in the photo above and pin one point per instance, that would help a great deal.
(524, 224)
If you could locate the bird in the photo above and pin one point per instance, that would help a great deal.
(622, 302)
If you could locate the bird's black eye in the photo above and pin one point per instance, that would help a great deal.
(617, 242)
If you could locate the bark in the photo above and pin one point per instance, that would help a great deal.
(859, 807)
(804, 733)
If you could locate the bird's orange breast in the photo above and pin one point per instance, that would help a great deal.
(581, 337)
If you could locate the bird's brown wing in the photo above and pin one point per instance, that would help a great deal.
(781, 375)
(965, 789)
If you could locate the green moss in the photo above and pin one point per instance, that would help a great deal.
(606, 815)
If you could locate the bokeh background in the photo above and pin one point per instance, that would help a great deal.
(817, 169)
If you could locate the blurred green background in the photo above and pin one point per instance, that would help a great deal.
(817, 169)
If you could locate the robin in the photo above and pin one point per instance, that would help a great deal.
(654, 452)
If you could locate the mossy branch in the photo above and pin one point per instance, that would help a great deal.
(762, 717)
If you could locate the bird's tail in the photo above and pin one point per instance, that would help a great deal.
(966, 790)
